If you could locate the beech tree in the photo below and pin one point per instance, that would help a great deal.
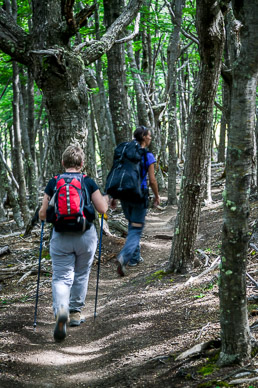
(235, 332)
(210, 27)
(57, 65)
(117, 77)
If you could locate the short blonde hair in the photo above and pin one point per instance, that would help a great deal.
(73, 156)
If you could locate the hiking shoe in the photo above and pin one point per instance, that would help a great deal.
(76, 318)
(134, 263)
(120, 266)
(60, 328)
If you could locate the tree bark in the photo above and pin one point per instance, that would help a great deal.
(142, 104)
(29, 163)
(18, 147)
(235, 332)
(210, 27)
(173, 55)
(117, 77)
(59, 70)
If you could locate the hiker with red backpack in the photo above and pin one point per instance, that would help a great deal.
(67, 203)
(133, 161)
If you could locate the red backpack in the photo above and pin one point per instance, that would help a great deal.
(70, 209)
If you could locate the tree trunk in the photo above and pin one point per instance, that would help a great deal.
(184, 117)
(173, 55)
(58, 69)
(8, 187)
(256, 143)
(29, 164)
(18, 147)
(117, 78)
(142, 105)
(224, 122)
(210, 27)
(235, 332)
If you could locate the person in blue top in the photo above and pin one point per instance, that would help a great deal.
(135, 212)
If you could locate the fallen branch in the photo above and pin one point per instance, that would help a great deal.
(198, 349)
(118, 225)
(4, 250)
(204, 256)
(202, 329)
(5, 236)
(252, 245)
(243, 381)
(213, 265)
(163, 236)
(24, 269)
(252, 280)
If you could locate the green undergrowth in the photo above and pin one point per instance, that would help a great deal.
(213, 384)
(44, 254)
(207, 369)
(158, 275)
(201, 291)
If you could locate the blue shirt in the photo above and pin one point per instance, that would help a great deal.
(150, 160)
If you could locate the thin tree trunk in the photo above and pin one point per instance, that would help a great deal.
(256, 138)
(173, 55)
(29, 163)
(142, 105)
(17, 136)
(18, 147)
(210, 27)
(117, 78)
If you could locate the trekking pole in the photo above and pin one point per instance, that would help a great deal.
(37, 292)
(97, 287)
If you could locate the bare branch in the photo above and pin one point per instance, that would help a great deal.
(173, 18)
(9, 170)
(6, 86)
(14, 41)
(98, 48)
(74, 23)
(135, 32)
(82, 17)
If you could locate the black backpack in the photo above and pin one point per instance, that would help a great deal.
(126, 175)
(70, 209)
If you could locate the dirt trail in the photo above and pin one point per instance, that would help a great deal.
(143, 319)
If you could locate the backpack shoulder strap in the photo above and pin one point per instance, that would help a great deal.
(84, 188)
(145, 163)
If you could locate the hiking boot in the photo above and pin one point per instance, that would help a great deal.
(120, 266)
(135, 263)
(60, 328)
(76, 318)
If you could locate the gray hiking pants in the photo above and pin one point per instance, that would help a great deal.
(72, 255)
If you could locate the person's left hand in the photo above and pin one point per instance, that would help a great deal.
(113, 203)
(157, 201)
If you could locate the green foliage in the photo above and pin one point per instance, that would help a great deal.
(158, 275)
(200, 296)
(213, 384)
(207, 369)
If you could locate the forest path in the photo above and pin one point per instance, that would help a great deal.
(142, 320)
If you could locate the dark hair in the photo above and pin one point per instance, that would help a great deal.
(140, 132)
